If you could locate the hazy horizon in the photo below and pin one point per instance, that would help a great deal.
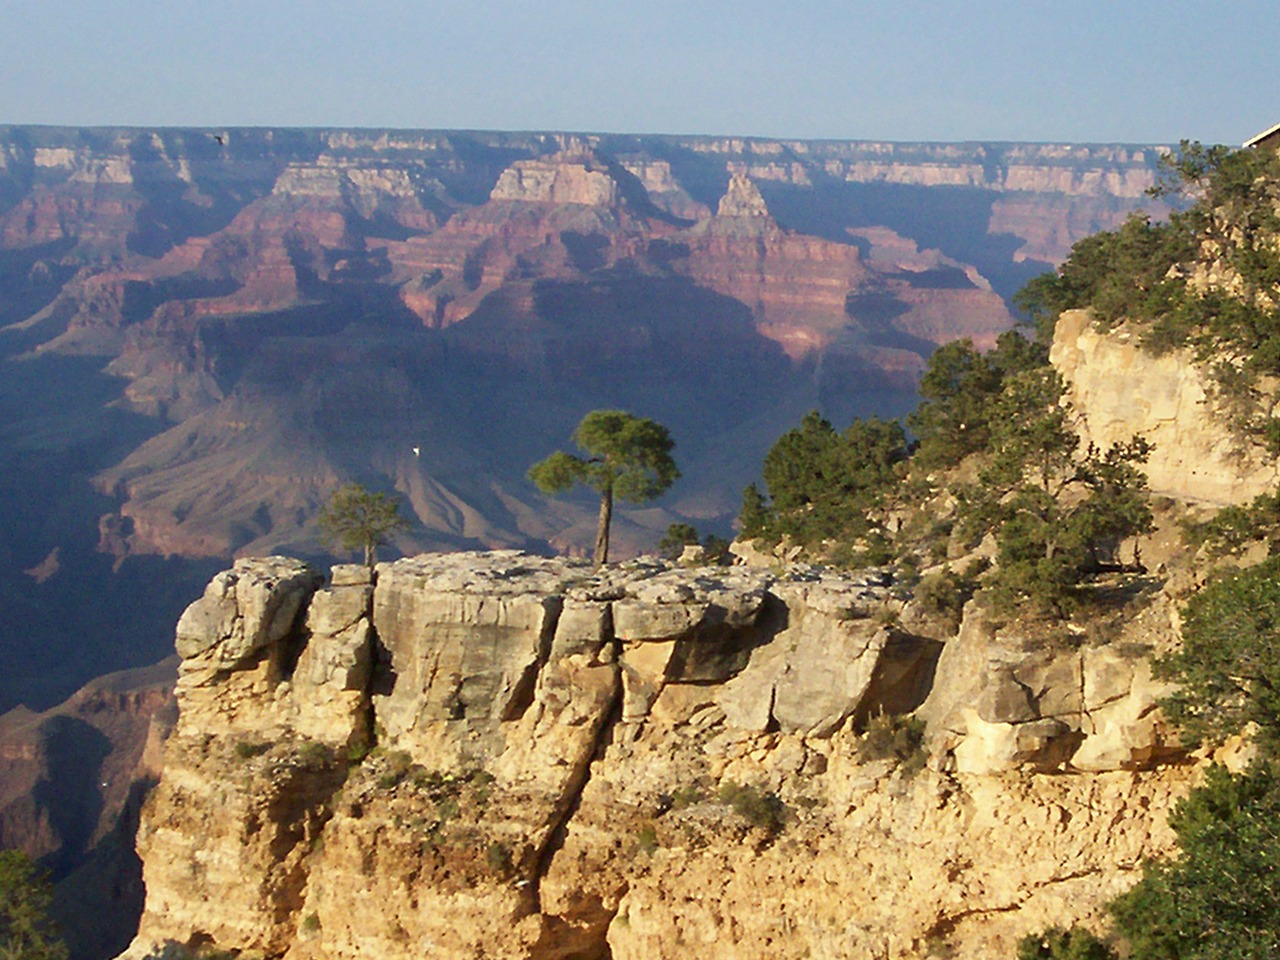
(993, 70)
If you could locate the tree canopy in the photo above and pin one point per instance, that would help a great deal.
(958, 392)
(1220, 898)
(626, 457)
(1057, 514)
(1228, 667)
(821, 484)
(358, 519)
(26, 932)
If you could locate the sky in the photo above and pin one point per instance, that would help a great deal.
(1121, 71)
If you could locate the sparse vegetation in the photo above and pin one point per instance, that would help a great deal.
(647, 839)
(359, 519)
(680, 535)
(248, 749)
(396, 765)
(312, 753)
(896, 738)
(1058, 944)
(1234, 527)
(687, 796)
(759, 808)
(498, 857)
(627, 457)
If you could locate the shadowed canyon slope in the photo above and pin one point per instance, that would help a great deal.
(203, 332)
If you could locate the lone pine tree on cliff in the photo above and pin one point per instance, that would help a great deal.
(358, 519)
(626, 456)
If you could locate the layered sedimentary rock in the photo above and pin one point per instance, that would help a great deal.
(1120, 390)
(512, 756)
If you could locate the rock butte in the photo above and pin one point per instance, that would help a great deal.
(549, 746)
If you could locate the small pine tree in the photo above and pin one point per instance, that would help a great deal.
(358, 519)
(626, 456)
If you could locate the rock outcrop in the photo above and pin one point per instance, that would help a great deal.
(576, 177)
(510, 756)
(1120, 390)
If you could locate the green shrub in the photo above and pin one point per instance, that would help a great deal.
(397, 766)
(498, 856)
(944, 593)
(1228, 667)
(759, 808)
(1232, 528)
(447, 808)
(647, 840)
(677, 537)
(687, 796)
(247, 749)
(897, 738)
(314, 754)
(1057, 944)
(310, 923)
(357, 751)
(1219, 899)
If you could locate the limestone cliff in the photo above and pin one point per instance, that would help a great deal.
(1119, 390)
(507, 756)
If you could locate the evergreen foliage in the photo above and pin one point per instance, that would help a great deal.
(1220, 898)
(677, 537)
(1121, 274)
(822, 484)
(957, 393)
(358, 519)
(1228, 667)
(1056, 515)
(1141, 273)
(1235, 526)
(26, 932)
(1057, 944)
(626, 456)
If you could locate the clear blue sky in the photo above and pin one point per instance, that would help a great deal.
(1133, 71)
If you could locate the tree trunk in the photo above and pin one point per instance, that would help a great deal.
(602, 528)
(369, 549)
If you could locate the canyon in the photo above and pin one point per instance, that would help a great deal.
(515, 755)
(204, 332)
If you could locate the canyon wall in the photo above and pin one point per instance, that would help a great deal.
(1119, 390)
(508, 756)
